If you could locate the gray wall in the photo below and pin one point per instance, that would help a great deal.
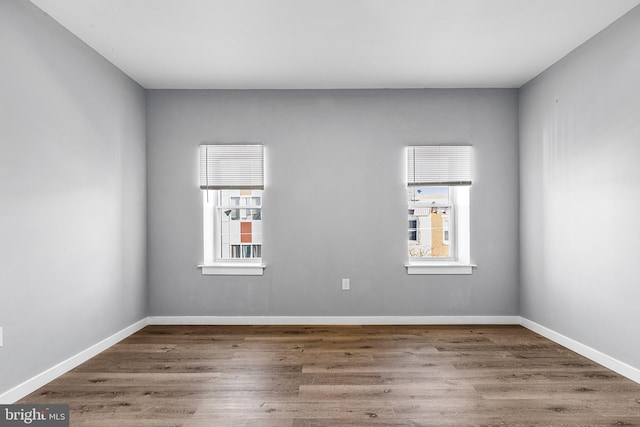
(580, 193)
(74, 221)
(335, 202)
(72, 194)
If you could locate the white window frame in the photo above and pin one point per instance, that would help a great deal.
(213, 263)
(218, 211)
(459, 261)
(451, 241)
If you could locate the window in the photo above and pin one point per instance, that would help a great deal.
(438, 181)
(232, 183)
(413, 227)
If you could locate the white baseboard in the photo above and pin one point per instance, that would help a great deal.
(334, 320)
(54, 372)
(584, 350)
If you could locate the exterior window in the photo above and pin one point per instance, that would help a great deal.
(438, 183)
(246, 251)
(445, 229)
(413, 227)
(232, 183)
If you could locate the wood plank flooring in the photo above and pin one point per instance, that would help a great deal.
(351, 376)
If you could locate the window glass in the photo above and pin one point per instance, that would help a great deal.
(238, 231)
(413, 227)
(430, 219)
(428, 194)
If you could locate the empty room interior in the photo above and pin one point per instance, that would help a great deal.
(321, 213)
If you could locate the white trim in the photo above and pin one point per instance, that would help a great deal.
(238, 269)
(603, 359)
(54, 372)
(440, 268)
(334, 320)
(43, 378)
(460, 236)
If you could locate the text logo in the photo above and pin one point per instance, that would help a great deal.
(34, 415)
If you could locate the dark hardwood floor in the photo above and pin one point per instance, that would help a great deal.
(313, 376)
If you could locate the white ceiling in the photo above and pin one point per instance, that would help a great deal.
(320, 44)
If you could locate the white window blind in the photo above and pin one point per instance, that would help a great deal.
(231, 166)
(439, 165)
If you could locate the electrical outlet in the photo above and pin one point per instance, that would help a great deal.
(346, 285)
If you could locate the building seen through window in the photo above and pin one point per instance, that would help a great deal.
(430, 222)
(239, 223)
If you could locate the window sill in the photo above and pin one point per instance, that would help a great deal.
(440, 268)
(232, 269)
